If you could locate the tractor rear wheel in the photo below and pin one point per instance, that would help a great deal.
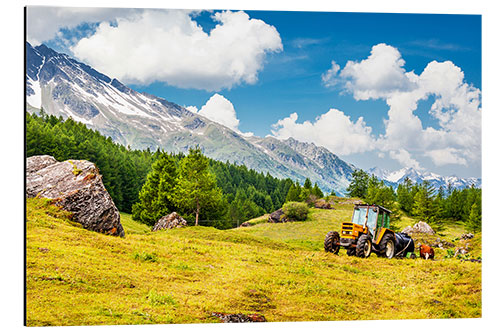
(364, 246)
(388, 246)
(331, 240)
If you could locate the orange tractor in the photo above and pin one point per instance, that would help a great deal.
(369, 232)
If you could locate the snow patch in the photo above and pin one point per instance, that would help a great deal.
(35, 99)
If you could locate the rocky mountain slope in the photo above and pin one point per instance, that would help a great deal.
(68, 88)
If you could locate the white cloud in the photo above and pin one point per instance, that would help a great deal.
(446, 156)
(456, 107)
(333, 130)
(44, 22)
(378, 76)
(169, 46)
(404, 157)
(330, 77)
(221, 110)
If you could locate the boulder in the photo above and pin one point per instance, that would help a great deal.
(170, 221)
(76, 186)
(245, 224)
(277, 216)
(420, 227)
(323, 204)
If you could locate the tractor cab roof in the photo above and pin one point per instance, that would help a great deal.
(372, 206)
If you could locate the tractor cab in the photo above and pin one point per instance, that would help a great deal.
(371, 218)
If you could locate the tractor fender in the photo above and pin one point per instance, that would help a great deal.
(383, 231)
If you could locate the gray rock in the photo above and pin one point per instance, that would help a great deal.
(420, 227)
(467, 236)
(170, 221)
(277, 216)
(76, 186)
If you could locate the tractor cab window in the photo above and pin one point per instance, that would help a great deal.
(359, 216)
(372, 219)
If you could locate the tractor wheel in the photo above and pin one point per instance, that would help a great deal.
(364, 246)
(388, 246)
(331, 239)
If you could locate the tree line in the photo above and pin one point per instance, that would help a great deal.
(422, 201)
(244, 193)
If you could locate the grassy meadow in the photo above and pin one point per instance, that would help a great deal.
(79, 277)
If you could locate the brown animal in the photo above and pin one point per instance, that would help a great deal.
(426, 252)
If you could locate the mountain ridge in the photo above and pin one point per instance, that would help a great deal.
(397, 177)
(68, 88)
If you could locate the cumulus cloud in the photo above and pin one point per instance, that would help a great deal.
(45, 22)
(221, 110)
(333, 130)
(456, 107)
(404, 157)
(446, 156)
(169, 46)
(378, 76)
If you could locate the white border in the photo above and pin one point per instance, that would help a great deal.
(12, 133)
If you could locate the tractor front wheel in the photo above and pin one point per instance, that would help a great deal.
(331, 240)
(388, 246)
(364, 246)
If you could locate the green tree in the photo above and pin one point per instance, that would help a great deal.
(155, 199)
(293, 193)
(474, 221)
(196, 187)
(308, 184)
(424, 205)
(317, 191)
(359, 184)
(405, 195)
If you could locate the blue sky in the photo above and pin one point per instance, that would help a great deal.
(289, 56)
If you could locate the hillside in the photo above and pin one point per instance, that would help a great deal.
(65, 87)
(78, 277)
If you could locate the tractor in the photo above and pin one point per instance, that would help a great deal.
(369, 232)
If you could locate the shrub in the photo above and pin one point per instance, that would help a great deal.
(295, 211)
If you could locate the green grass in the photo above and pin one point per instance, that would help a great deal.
(78, 277)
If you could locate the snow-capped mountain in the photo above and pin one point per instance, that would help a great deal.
(397, 177)
(65, 87)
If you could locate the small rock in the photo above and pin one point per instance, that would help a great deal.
(277, 216)
(467, 236)
(239, 317)
(245, 224)
(170, 221)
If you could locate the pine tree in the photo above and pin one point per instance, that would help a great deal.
(359, 184)
(423, 207)
(308, 184)
(293, 193)
(155, 199)
(317, 191)
(404, 195)
(474, 221)
(196, 187)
